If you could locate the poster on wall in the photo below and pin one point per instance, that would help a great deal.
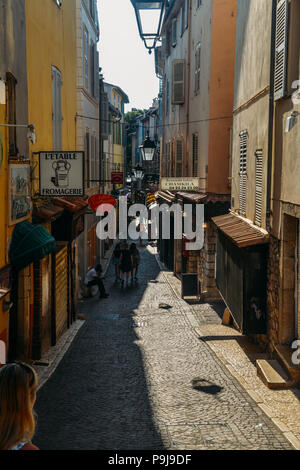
(19, 193)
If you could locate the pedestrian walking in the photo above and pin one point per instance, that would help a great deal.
(126, 262)
(116, 260)
(92, 278)
(136, 259)
(18, 384)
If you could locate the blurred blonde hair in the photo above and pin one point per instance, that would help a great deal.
(18, 383)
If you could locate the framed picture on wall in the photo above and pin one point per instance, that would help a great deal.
(19, 193)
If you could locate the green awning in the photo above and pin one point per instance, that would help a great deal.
(30, 243)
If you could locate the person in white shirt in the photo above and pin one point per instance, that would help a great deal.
(92, 278)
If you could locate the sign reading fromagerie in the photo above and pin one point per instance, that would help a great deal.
(61, 173)
(180, 184)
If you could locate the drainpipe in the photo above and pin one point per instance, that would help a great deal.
(187, 130)
(271, 116)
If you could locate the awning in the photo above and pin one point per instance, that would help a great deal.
(197, 198)
(167, 196)
(30, 243)
(71, 204)
(48, 211)
(239, 231)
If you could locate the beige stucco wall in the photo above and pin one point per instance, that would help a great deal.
(251, 99)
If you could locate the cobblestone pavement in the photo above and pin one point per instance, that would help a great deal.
(137, 376)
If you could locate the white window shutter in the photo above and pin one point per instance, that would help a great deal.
(258, 186)
(281, 56)
(243, 171)
(178, 85)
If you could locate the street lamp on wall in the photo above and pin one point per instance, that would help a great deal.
(142, 9)
(148, 149)
(138, 172)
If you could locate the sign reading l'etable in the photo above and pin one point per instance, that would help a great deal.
(180, 184)
(61, 173)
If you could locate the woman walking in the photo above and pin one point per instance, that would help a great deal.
(126, 262)
(136, 259)
(18, 383)
(116, 260)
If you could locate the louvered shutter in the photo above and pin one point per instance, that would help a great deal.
(163, 47)
(167, 162)
(178, 81)
(186, 14)
(258, 186)
(281, 56)
(179, 157)
(195, 154)
(104, 116)
(174, 32)
(243, 171)
(96, 73)
(56, 109)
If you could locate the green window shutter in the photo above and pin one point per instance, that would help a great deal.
(258, 186)
(243, 172)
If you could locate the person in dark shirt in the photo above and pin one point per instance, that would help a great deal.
(126, 262)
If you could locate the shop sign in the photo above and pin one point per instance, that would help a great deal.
(61, 174)
(19, 193)
(180, 184)
(117, 178)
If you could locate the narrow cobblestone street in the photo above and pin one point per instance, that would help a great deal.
(137, 376)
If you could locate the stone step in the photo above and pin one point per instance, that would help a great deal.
(272, 374)
(284, 354)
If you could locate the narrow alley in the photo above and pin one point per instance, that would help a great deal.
(137, 376)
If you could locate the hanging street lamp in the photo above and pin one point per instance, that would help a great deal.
(148, 149)
(138, 172)
(148, 11)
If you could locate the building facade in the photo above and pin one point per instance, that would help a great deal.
(197, 67)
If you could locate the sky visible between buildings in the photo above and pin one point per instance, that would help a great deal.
(124, 60)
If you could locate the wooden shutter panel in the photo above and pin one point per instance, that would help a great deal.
(96, 73)
(243, 171)
(282, 20)
(258, 186)
(104, 116)
(195, 154)
(178, 81)
(179, 157)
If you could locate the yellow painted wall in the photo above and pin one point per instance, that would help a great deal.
(51, 41)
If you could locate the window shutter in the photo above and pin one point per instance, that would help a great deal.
(186, 14)
(282, 17)
(174, 32)
(96, 73)
(258, 186)
(178, 81)
(104, 116)
(195, 154)
(181, 22)
(197, 68)
(179, 157)
(243, 171)
(167, 163)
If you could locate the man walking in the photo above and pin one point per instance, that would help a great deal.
(92, 278)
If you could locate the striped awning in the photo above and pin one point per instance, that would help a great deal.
(239, 231)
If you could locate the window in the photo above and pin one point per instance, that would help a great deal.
(258, 186)
(56, 109)
(281, 53)
(85, 58)
(92, 67)
(174, 32)
(168, 158)
(178, 81)
(243, 171)
(199, 3)
(12, 131)
(195, 154)
(186, 14)
(179, 157)
(87, 156)
(168, 43)
(197, 68)
(167, 97)
(181, 22)
(92, 9)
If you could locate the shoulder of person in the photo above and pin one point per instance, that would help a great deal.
(29, 446)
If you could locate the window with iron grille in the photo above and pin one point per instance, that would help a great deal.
(179, 157)
(243, 171)
(281, 51)
(197, 68)
(195, 154)
(258, 186)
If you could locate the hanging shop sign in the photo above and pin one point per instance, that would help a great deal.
(19, 193)
(180, 184)
(117, 177)
(61, 173)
